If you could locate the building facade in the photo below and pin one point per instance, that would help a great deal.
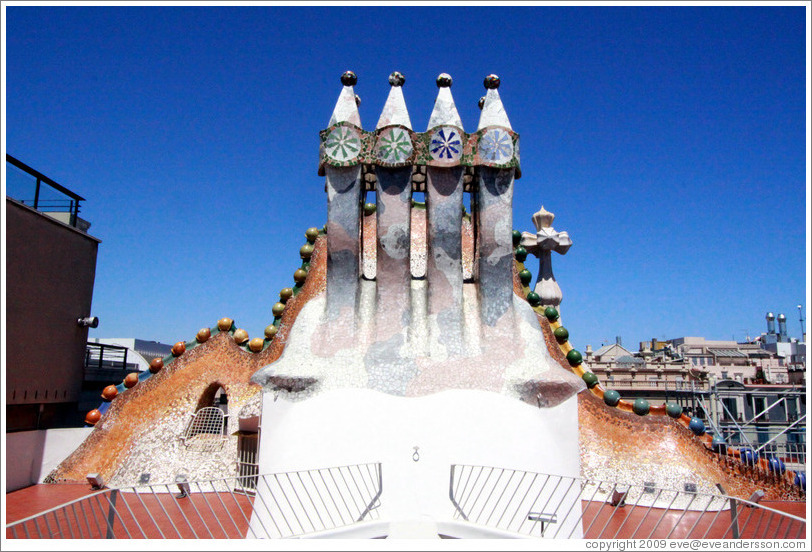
(50, 271)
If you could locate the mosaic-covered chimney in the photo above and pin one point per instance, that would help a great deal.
(445, 153)
(418, 310)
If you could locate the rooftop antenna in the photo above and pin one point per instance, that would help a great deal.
(801, 318)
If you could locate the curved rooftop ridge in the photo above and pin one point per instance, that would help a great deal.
(611, 398)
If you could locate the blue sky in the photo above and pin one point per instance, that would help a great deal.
(670, 142)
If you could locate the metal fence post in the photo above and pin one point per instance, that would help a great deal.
(111, 514)
(734, 518)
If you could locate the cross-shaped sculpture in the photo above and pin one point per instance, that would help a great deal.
(541, 245)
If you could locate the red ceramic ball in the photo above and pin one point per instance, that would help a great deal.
(179, 348)
(131, 380)
(156, 365)
(109, 393)
(92, 417)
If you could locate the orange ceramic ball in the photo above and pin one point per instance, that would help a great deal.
(256, 344)
(179, 348)
(224, 324)
(240, 336)
(109, 393)
(270, 331)
(92, 417)
(156, 365)
(131, 380)
(203, 335)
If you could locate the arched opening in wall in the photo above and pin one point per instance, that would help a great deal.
(208, 426)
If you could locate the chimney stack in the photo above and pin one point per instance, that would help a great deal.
(770, 323)
(782, 329)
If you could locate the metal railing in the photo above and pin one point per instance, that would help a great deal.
(67, 202)
(290, 504)
(551, 506)
(102, 359)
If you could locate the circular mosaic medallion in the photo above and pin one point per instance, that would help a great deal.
(343, 144)
(446, 144)
(394, 146)
(496, 146)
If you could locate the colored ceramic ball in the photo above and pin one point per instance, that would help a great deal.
(748, 456)
(240, 336)
(574, 357)
(270, 331)
(718, 444)
(517, 238)
(109, 392)
(697, 426)
(611, 397)
(224, 324)
(534, 299)
(397, 79)
(256, 344)
(300, 276)
(203, 335)
(481, 102)
(561, 334)
(641, 407)
(551, 313)
(92, 417)
(776, 465)
(306, 251)
(357, 100)
(492, 82)
(285, 294)
(673, 409)
(590, 379)
(520, 253)
(179, 348)
(156, 365)
(131, 380)
(278, 309)
(349, 78)
(370, 208)
(311, 234)
(525, 276)
(444, 80)
(800, 480)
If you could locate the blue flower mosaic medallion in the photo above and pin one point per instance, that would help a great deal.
(394, 146)
(446, 144)
(343, 144)
(496, 146)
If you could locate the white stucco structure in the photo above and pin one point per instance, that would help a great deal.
(356, 426)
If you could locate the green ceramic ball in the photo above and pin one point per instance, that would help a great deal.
(673, 409)
(574, 357)
(561, 334)
(521, 253)
(525, 276)
(534, 299)
(311, 234)
(278, 309)
(551, 313)
(306, 251)
(285, 294)
(590, 379)
(611, 397)
(300, 276)
(369, 208)
(641, 407)
(517, 238)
